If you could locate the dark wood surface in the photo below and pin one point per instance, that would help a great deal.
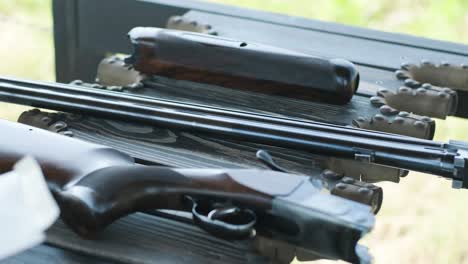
(362, 51)
(374, 54)
(271, 105)
(152, 239)
(86, 30)
(243, 66)
(184, 149)
(363, 46)
(49, 254)
(359, 108)
(144, 238)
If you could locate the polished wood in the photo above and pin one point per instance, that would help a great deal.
(242, 65)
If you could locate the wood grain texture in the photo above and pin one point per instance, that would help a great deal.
(84, 37)
(47, 254)
(154, 137)
(143, 238)
(371, 49)
(240, 65)
(182, 149)
(366, 52)
(375, 50)
(360, 112)
(253, 102)
(326, 38)
(316, 25)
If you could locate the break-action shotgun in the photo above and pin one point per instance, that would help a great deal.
(95, 185)
(448, 160)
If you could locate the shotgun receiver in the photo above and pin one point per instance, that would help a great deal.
(240, 65)
(449, 160)
(95, 185)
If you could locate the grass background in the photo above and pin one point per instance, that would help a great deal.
(422, 219)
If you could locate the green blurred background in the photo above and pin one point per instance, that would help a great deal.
(422, 220)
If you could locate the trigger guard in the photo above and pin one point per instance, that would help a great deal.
(222, 229)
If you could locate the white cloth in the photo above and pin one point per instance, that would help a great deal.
(27, 208)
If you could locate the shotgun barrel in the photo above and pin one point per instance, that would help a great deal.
(443, 159)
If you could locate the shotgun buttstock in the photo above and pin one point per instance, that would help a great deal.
(63, 160)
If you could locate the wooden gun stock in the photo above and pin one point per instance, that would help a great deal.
(240, 65)
(95, 185)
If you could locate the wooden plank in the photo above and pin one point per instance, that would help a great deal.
(151, 144)
(277, 106)
(46, 254)
(359, 108)
(97, 27)
(109, 35)
(316, 25)
(143, 238)
(315, 37)
(182, 149)
(367, 52)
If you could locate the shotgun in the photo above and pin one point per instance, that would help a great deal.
(95, 185)
(240, 65)
(448, 160)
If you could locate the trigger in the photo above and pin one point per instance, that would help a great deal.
(219, 214)
(225, 222)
